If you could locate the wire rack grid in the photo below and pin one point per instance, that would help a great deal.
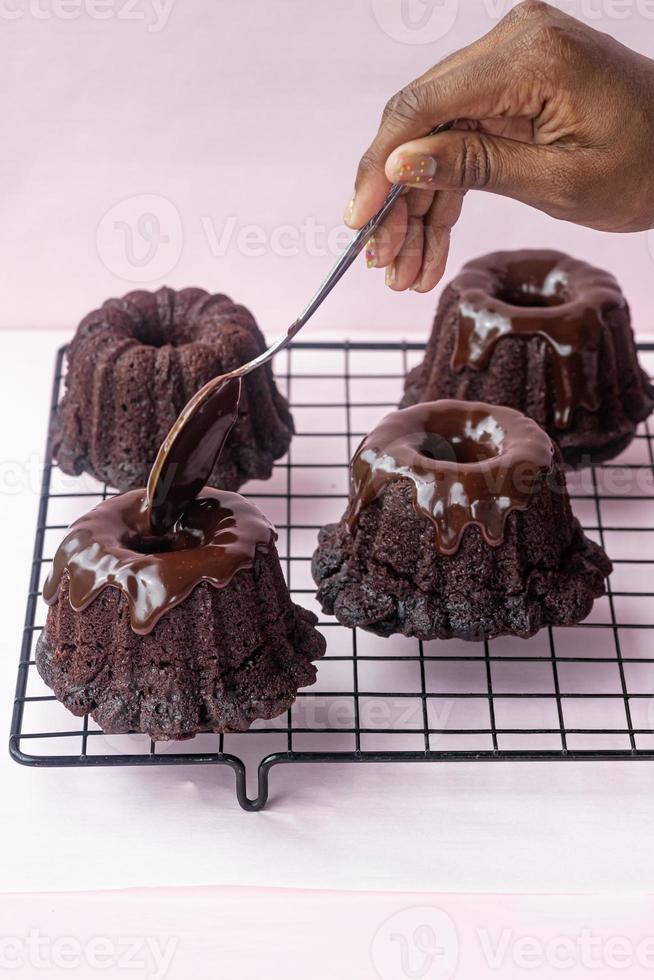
(584, 692)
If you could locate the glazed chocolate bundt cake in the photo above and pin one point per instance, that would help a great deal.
(135, 363)
(459, 525)
(548, 335)
(186, 632)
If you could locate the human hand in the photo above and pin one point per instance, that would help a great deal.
(549, 112)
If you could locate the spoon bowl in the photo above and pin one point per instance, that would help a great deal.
(190, 450)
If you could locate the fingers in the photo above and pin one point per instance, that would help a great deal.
(419, 202)
(390, 236)
(387, 241)
(406, 266)
(505, 74)
(405, 269)
(543, 176)
(471, 88)
(442, 168)
(420, 263)
(413, 244)
(443, 215)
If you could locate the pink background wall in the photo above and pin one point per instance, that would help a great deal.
(215, 116)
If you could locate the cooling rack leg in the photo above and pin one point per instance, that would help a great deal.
(259, 802)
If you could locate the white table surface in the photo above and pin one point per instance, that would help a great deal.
(467, 827)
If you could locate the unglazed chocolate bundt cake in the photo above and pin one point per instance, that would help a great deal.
(459, 525)
(548, 335)
(135, 363)
(186, 632)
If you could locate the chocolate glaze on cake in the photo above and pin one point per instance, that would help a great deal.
(459, 524)
(113, 545)
(191, 631)
(467, 465)
(544, 333)
(561, 302)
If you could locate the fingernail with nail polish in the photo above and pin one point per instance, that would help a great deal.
(415, 169)
(371, 254)
(347, 217)
(390, 274)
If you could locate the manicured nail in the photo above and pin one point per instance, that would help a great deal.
(347, 217)
(415, 169)
(390, 274)
(371, 254)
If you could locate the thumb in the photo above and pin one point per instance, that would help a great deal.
(545, 177)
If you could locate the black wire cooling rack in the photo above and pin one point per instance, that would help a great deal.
(584, 692)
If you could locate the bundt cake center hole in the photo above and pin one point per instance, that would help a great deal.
(176, 540)
(456, 449)
(469, 441)
(153, 334)
(543, 287)
(434, 446)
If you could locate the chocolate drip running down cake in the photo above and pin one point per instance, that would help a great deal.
(459, 525)
(135, 363)
(548, 335)
(178, 633)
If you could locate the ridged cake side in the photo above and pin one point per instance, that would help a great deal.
(388, 576)
(134, 364)
(219, 660)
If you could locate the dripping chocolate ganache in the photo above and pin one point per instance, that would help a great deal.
(171, 634)
(458, 524)
(544, 333)
(113, 546)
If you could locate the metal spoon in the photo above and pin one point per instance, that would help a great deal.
(189, 453)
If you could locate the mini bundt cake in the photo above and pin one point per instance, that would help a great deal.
(187, 632)
(135, 363)
(459, 525)
(548, 335)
